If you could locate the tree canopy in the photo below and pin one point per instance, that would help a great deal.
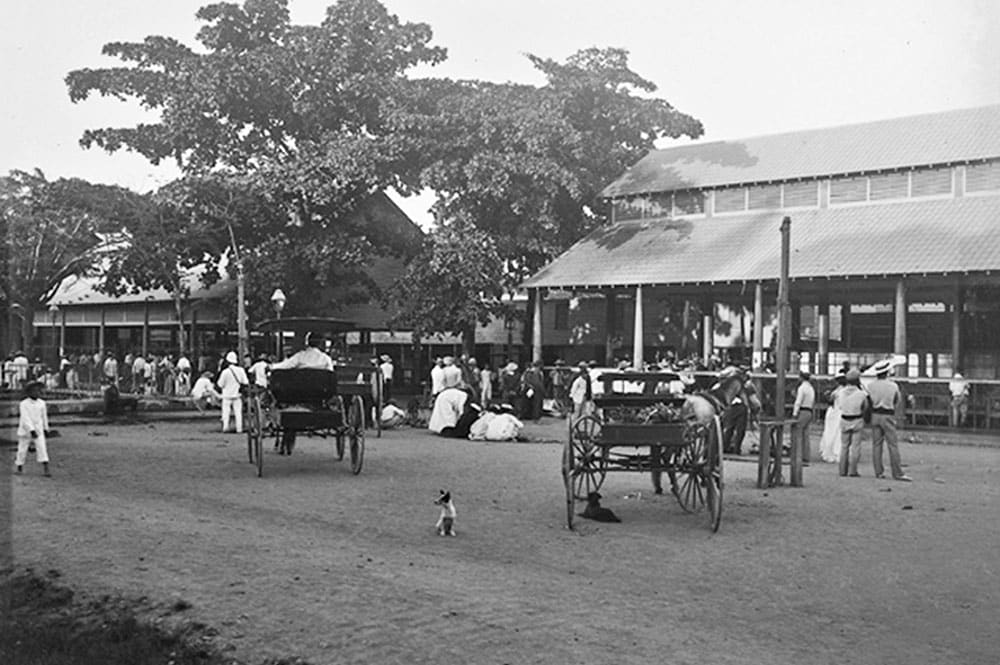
(525, 164)
(53, 230)
(297, 117)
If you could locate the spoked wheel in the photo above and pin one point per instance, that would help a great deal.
(774, 460)
(356, 433)
(699, 470)
(713, 479)
(584, 462)
(252, 424)
(255, 432)
(340, 432)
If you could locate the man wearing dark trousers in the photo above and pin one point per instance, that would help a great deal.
(802, 411)
(885, 396)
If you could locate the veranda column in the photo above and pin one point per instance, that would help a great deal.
(145, 330)
(609, 328)
(758, 326)
(100, 334)
(823, 343)
(707, 331)
(637, 331)
(62, 335)
(957, 306)
(536, 328)
(899, 342)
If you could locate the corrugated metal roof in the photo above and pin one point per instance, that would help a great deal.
(937, 138)
(930, 236)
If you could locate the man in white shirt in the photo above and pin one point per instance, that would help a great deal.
(387, 371)
(203, 393)
(802, 411)
(437, 377)
(231, 379)
(452, 375)
(959, 389)
(258, 371)
(311, 357)
(31, 427)
(183, 381)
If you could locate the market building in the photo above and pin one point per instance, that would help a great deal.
(895, 250)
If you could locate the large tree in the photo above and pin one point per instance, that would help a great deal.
(53, 230)
(299, 116)
(525, 164)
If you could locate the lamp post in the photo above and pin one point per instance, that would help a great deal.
(278, 300)
(53, 313)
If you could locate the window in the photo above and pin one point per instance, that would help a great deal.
(889, 186)
(630, 208)
(982, 177)
(689, 203)
(848, 190)
(731, 200)
(659, 205)
(562, 316)
(801, 194)
(765, 197)
(931, 182)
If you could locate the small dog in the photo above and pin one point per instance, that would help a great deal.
(594, 511)
(446, 523)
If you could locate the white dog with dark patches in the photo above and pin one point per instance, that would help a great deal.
(446, 522)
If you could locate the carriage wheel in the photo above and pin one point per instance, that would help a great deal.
(340, 432)
(252, 423)
(774, 461)
(585, 462)
(691, 462)
(713, 479)
(356, 433)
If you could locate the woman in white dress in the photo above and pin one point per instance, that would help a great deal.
(829, 445)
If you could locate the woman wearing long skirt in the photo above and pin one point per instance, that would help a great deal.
(829, 445)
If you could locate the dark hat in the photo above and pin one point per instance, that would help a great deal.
(315, 338)
(805, 374)
(30, 385)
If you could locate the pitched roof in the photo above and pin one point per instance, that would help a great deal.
(936, 138)
(945, 235)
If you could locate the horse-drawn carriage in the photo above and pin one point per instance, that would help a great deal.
(640, 426)
(313, 402)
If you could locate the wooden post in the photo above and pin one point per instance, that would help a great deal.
(536, 328)
(781, 351)
(957, 306)
(638, 332)
(899, 341)
(707, 331)
(686, 328)
(62, 335)
(609, 327)
(145, 330)
(758, 326)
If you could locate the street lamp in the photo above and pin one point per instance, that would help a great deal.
(53, 313)
(278, 300)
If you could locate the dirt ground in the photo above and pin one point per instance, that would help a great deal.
(315, 563)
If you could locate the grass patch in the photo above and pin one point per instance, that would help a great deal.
(41, 623)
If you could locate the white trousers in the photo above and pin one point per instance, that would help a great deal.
(234, 404)
(41, 450)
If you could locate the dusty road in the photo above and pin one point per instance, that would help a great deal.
(313, 562)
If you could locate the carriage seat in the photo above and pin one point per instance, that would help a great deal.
(307, 387)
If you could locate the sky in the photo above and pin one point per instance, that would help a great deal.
(744, 68)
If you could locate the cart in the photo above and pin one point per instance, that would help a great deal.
(638, 427)
(313, 402)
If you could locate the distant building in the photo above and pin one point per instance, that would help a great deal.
(895, 249)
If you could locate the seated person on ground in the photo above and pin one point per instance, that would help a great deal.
(449, 406)
(464, 425)
(203, 393)
(392, 416)
(114, 403)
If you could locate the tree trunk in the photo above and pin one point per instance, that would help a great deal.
(179, 309)
(28, 332)
(469, 340)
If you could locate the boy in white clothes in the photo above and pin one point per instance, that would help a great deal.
(31, 427)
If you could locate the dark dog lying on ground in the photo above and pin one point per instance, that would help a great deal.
(594, 511)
